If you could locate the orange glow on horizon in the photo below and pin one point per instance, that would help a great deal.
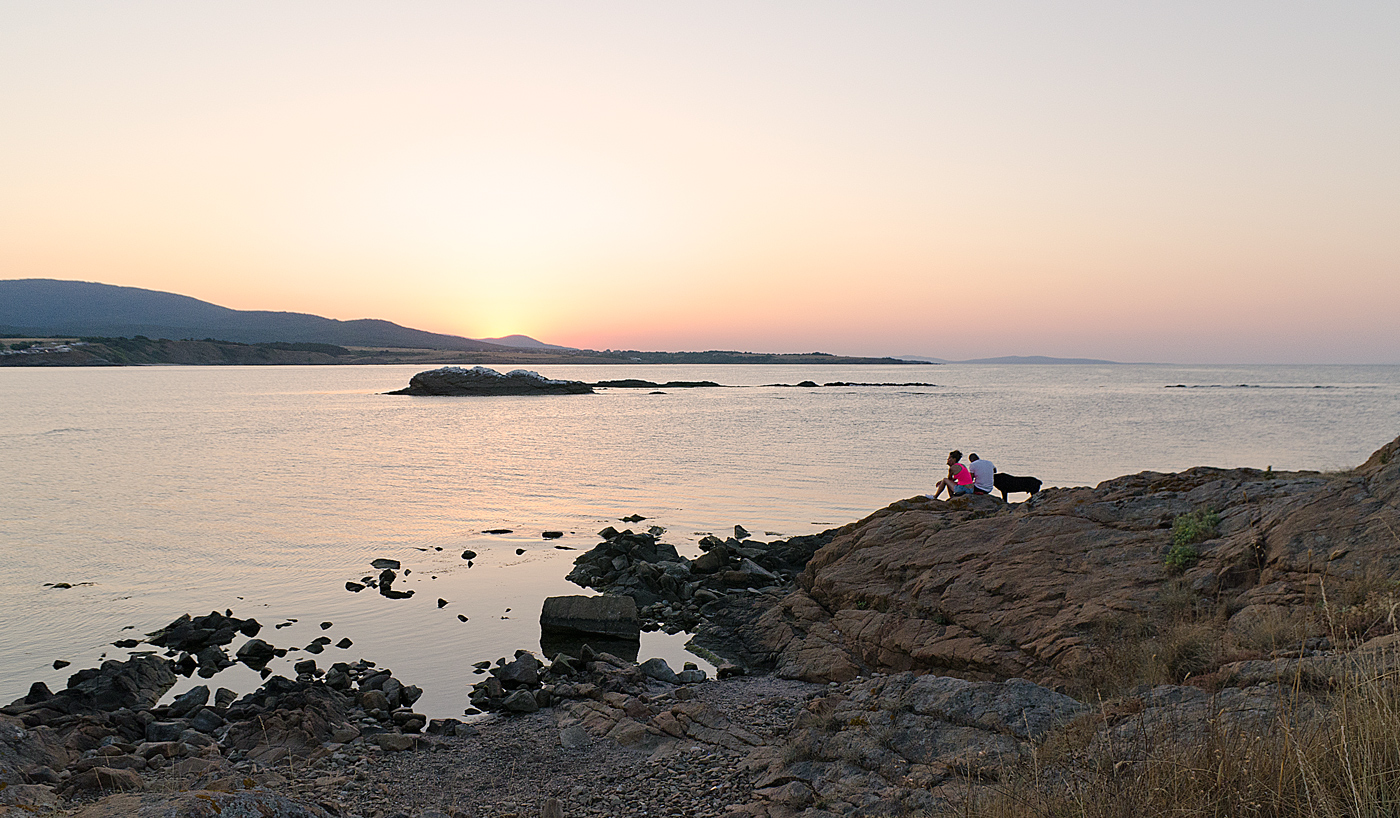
(1213, 184)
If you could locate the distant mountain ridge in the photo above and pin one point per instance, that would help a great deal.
(45, 307)
(1011, 359)
(522, 342)
(41, 307)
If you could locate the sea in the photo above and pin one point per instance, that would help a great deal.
(130, 496)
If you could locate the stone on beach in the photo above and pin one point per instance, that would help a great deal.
(606, 615)
(657, 669)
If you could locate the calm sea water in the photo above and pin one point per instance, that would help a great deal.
(263, 489)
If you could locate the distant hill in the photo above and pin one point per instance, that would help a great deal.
(521, 342)
(124, 320)
(1035, 359)
(722, 356)
(1009, 359)
(47, 307)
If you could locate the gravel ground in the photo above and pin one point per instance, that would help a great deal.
(514, 763)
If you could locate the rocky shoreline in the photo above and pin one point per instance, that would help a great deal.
(928, 658)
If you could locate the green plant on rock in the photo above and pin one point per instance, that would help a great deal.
(1187, 530)
(1182, 557)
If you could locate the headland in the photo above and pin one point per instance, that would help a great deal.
(1206, 642)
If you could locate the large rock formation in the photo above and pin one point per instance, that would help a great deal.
(1057, 589)
(479, 380)
(614, 616)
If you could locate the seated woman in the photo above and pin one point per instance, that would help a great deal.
(958, 481)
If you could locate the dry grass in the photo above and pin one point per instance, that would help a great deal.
(1275, 629)
(1343, 762)
(1183, 639)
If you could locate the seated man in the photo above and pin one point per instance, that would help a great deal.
(958, 481)
(983, 474)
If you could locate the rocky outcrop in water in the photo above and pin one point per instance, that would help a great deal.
(673, 592)
(457, 381)
(638, 383)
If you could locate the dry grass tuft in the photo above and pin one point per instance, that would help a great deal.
(1343, 763)
(1275, 629)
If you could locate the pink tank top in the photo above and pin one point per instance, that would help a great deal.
(962, 475)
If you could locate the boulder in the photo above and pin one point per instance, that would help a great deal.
(206, 721)
(456, 381)
(164, 731)
(715, 559)
(614, 616)
(375, 700)
(255, 653)
(656, 668)
(29, 799)
(521, 701)
(38, 692)
(136, 684)
(105, 779)
(523, 672)
(189, 702)
(396, 742)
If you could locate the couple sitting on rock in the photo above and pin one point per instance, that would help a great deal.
(974, 478)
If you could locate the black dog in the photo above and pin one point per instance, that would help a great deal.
(1004, 483)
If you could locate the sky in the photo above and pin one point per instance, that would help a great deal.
(1189, 182)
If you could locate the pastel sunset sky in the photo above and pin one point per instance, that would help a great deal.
(1188, 182)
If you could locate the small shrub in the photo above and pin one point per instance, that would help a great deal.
(1189, 529)
(1181, 558)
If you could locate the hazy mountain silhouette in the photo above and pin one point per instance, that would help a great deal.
(42, 307)
(1009, 359)
(521, 342)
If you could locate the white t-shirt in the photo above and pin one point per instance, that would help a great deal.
(982, 471)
